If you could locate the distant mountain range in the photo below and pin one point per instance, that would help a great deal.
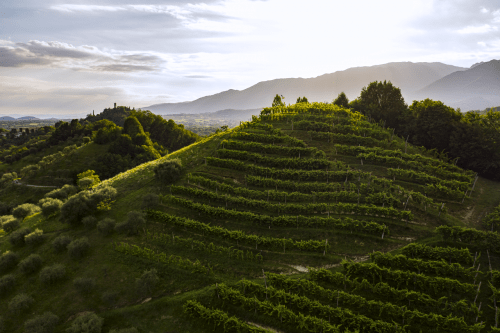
(8, 118)
(472, 88)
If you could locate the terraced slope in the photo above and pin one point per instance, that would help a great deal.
(272, 228)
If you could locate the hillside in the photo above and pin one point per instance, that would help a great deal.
(289, 223)
(409, 76)
(474, 88)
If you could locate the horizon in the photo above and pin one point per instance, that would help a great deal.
(63, 60)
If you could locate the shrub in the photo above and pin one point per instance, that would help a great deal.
(6, 284)
(61, 243)
(7, 261)
(89, 222)
(52, 274)
(45, 323)
(21, 211)
(85, 203)
(20, 303)
(106, 226)
(125, 330)
(50, 206)
(17, 237)
(9, 223)
(30, 264)
(109, 297)
(150, 201)
(86, 139)
(146, 284)
(78, 248)
(34, 238)
(62, 193)
(168, 171)
(84, 285)
(131, 226)
(88, 323)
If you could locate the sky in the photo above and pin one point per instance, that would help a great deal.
(67, 58)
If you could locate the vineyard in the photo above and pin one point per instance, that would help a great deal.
(310, 218)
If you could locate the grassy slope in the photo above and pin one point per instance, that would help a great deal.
(117, 273)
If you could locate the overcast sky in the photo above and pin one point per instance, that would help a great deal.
(67, 58)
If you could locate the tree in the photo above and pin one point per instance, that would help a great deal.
(302, 100)
(278, 101)
(45, 323)
(87, 179)
(147, 282)
(382, 101)
(341, 100)
(88, 323)
(168, 171)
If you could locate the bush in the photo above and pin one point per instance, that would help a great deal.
(34, 238)
(125, 330)
(168, 171)
(61, 243)
(6, 284)
(62, 193)
(131, 226)
(85, 203)
(7, 261)
(84, 285)
(50, 206)
(52, 274)
(106, 226)
(21, 211)
(109, 297)
(86, 139)
(88, 323)
(78, 248)
(30, 264)
(17, 237)
(146, 284)
(89, 222)
(20, 303)
(150, 201)
(9, 223)
(45, 323)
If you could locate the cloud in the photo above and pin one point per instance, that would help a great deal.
(485, 28)
(198, 76)
(87, 58)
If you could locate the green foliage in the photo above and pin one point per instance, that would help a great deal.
(341, 100)
(106, 226)
(8, 260)
(52, 274)
(89, 222)
(20, 303)
(84, 285)
(7, 283)
(131, 226)
(124, 330)
(78, 248)
(168, 171)
(86, 140)
(87, 179)
(85, 203)
(301, 100)
(30, 264)
(277, 101)
(50, 206)
(62, 193)
(17, 237)
(24, 210)
(9, 223)
(146, 284)
(34, 238)
(150, 201)
(45, 323)
(88, 323)
(109, 297)
(60, 243)
(8, 178)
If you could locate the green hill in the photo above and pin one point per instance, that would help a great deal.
(310, 218)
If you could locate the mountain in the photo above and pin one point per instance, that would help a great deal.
(475, 88)
(7, 118)
(28, 118)
(408, 76)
